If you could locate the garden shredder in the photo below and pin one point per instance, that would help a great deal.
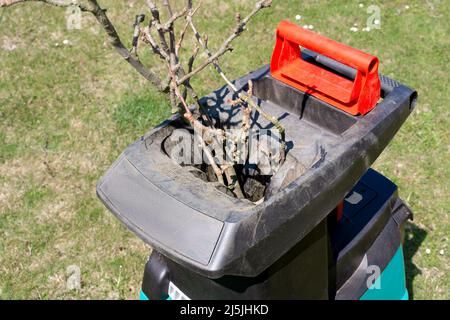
(328, 226)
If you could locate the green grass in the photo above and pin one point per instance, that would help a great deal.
(7, 150)
(138, 112)
(66, 112)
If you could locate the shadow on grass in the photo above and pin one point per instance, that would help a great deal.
(414, 236)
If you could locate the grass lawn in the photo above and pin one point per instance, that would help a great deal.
(68, 110)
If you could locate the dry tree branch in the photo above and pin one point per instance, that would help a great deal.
(247, 98)
(190, 14)
(180, 39)
(188, 115)
(58, 3)
(136, 33)
(173, 18)
(217, 139)
(213, 59)
(244, 97)
(173, 51)
(190, 65)
(192, 58)
(156, 22)
(209, 133)
(147, 37)
(114, 39)
(100, 14)
(210, 60)
(226, 44)
(168, 50)
(172, 55)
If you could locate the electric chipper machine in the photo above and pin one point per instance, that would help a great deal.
(332, 230)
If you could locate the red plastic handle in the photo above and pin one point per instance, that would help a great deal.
(356, 97)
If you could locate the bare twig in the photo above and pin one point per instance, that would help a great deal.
(212, 58)
(191, 13)
(156, 22)
(167, 25)
(46, 162)
(192, 59)
(148, 38)
(197, 125)
(167, 47)
(190, 66)
(180, 39)
(58, 3)
(136, 33)
(247, 98)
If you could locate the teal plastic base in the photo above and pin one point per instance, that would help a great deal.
(391, 285)
(143, 296)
